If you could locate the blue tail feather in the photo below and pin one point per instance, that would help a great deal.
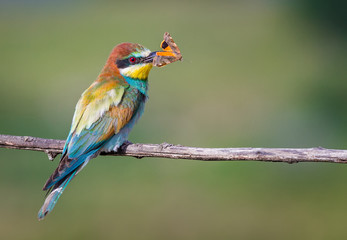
(54, 195)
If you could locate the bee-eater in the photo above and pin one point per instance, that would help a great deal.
(104, 115)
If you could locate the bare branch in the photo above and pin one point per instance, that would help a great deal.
(53, 147)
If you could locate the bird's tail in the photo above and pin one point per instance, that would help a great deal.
(54, 195)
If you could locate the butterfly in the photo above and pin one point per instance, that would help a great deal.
(171, 53)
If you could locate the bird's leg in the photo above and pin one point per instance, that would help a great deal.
(124, 146)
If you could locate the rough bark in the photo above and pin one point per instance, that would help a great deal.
(53, 147)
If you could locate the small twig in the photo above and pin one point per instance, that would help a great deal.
(53, 147)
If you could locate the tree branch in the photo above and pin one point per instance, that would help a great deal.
(53, 147)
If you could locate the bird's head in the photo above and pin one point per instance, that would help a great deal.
(131, 60)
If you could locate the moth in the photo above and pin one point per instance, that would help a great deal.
(171, 53)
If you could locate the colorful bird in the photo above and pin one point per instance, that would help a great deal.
(104, 115)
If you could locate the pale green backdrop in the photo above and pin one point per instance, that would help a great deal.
(255, 74)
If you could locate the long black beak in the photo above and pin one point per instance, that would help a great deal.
(150, 57)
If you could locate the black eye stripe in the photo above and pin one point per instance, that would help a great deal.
(137, 60)
(123, 63)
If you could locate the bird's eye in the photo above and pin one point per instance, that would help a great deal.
(132, 59)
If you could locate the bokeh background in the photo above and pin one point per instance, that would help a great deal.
(255, 74)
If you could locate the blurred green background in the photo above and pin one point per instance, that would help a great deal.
(255, 74)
